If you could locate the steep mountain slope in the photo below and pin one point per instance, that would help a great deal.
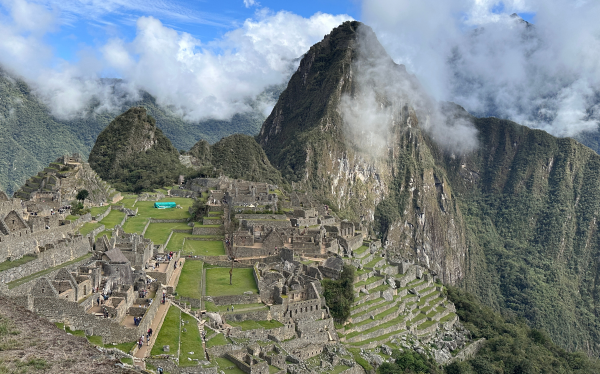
(514, 221)
(237, 156)
(133, 154)
(32, 137)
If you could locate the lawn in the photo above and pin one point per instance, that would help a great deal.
(147, 209)
(127, 203)
(227, 366)
(112, 219)
(98, 210)
(190, 342)
(102, 233)
(159, 232)
(203, 248)
(169, 333)
(190, 280)
(72, 218)
(176, 242)
(135, 224)
(124, 347)
(13, 264)
(88, 227)
(218, 281)
(219, 339)
(253, 325)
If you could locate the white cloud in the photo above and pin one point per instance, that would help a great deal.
(249, 3)
(197, 80)
(546, 76)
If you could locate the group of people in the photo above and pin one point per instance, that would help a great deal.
(137, 320)
(164, 297)
(143, 293)
(145, 338)
(101, 299)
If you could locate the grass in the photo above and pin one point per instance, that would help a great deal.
(102, 233)
(448, 317)
(207, 225)
(72, 218)
(176, 242)
(190, 342)
(190, 280)
(159, 232)
(211, 307)
(169, 333)
(13, 264)
(88, 227)
(218, 281)
(26, 279)
(253, 325)
(135, 224)
(127, 202)
(98, 210)
(123, 347)
(112, 219)
(338, 369)
(219, 339)
(147, 209)
(203, 248)
(361, 361)
(360, 250)
(373, 261)
(227, 366)
(127, 360)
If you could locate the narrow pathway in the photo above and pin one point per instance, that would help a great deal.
(160, 316)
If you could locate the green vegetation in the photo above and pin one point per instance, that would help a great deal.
(88, 227)
(223, 309)
(408, 362)
(219, 339)
(122, 157)
(190, 342)
(227, 366)
(8, 264)
(190, 280)
(241, 157)
(177, 239)
(159, 232)
(112, 219)
(203, 248)
(339, 294)
(512, 346)
(243, 280)
(97, 340)
(135, 224)
(169, 332)
(98, 210)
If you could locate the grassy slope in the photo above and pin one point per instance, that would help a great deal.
(243, 280)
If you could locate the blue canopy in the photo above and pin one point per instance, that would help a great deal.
(165, 205)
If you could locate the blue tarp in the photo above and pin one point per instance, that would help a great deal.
(165, 205)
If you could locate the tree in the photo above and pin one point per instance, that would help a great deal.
(82, 195)
(339, 294)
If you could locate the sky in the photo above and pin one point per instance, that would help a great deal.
(207, 59)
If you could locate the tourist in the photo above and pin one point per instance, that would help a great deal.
(150, 331)
(232, 308)
(140, 342)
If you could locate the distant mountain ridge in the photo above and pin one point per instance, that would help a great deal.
(32, 137)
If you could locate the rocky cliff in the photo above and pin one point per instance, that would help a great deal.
(507, 212)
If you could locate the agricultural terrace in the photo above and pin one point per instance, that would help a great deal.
(180, 330)
(190, 280)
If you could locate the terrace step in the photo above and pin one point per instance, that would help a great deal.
(377, 309)
(366, 305)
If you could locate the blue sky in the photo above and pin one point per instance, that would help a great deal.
(205, 20)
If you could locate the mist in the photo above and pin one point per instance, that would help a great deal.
(384, 96)
(473, 52)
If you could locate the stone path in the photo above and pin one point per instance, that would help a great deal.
(144, 352)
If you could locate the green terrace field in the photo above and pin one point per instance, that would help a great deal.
(127, 202)
(112, 219)
(159, 232)
(88, 227)
(190, 342)
(13, 264)
(238, 308)
(190, 280)
(135, 224)
(203, 248)
(169, 333)
(218, 281)
(147, 209)
(176, 242)
(253, 325)
(98, 210)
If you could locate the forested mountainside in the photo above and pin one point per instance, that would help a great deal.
(514, 221)
(133, 154)
(32, 137)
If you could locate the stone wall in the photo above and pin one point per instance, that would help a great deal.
(22, 242)
(99, 217)
(351, 243)
(199, 230)
(247, 223)
(235, 299)
(261, 216)
(51, 257)
(259, 315)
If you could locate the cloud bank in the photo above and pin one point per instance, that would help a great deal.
(195, 79)
(472, 52)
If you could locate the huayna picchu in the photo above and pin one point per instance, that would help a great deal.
(347, 237)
